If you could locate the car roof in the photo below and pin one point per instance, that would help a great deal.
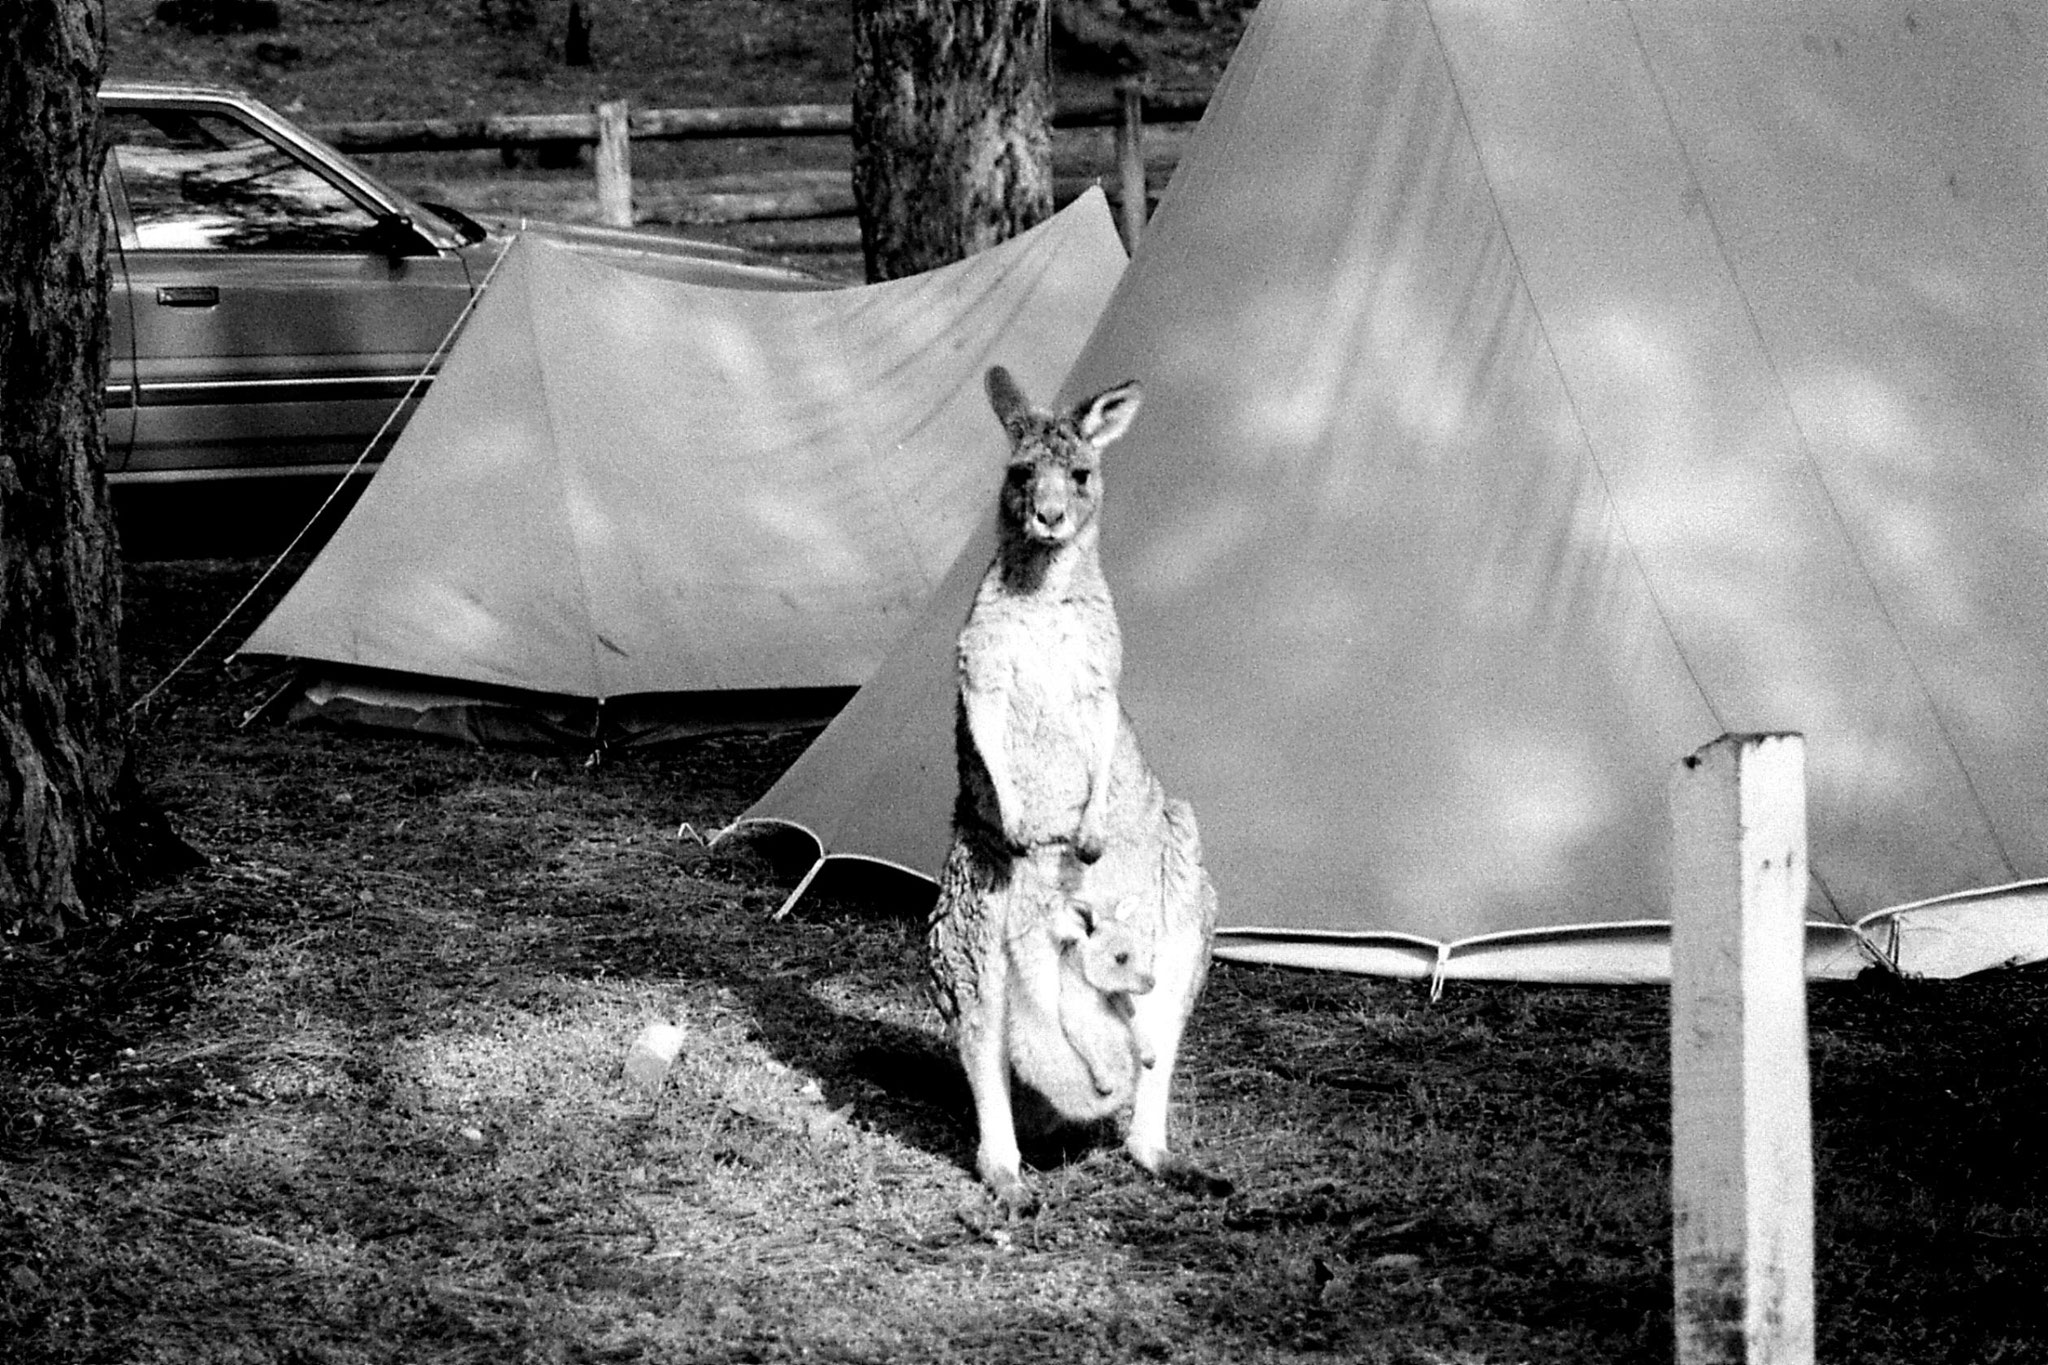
(174, 90)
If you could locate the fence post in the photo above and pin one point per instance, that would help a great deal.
(614, 165)
(1741, 1119)
(1130, 159)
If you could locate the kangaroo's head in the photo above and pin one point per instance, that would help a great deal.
(1098, 936)
(1115, 958)
(1054, 483)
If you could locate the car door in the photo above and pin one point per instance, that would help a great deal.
(119, 423)
(273, 321)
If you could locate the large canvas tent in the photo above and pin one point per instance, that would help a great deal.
(1533, 393)
(632, 506)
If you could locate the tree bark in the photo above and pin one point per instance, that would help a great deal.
(951, 151)
(65, 797)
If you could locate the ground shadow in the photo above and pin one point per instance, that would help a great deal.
(857, 919)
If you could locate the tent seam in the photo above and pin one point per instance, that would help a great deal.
(874, 476)
(1827, 492)
(1557, 367)
(576, 556)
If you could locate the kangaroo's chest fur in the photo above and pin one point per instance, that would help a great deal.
(1050, 659)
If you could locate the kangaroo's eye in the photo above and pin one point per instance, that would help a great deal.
(1081, 477)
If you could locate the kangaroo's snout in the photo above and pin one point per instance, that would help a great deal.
(1132, 970)
(1051, 504)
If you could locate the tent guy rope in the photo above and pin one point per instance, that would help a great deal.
(426, 371)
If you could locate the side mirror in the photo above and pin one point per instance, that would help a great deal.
(395, 236)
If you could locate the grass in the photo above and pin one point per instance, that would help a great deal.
(373, 59)
(333, 60)
(353, 1092)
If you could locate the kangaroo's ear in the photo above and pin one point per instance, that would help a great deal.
(1107, 415)
(1010, 404)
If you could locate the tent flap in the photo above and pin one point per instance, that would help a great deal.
(1956, 935)
(512, 719)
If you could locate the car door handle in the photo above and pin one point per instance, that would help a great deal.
(187, 296)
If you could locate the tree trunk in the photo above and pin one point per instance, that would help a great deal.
(951, 152)
(65, 799)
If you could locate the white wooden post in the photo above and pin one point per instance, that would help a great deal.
(1130, 160)
(1741, 1120)
(614, 165)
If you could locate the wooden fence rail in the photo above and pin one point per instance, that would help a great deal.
(530, 130)
(612, 127)
(683, 125)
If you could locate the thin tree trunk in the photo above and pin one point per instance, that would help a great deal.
(64, 794)
(951, 152)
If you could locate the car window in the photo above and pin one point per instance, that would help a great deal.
(204, 182)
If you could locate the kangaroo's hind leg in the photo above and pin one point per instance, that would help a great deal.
(1157, 1026)
(983, 1042)
(968, 955)
(971, 950)
(1188, 920)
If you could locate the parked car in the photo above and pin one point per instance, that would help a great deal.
(273, 302)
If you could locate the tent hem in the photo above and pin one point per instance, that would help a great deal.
(493, 715)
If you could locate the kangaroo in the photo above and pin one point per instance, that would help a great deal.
(1104, 952)
(1058, 812)
(1070, 1038)
(1112, 962)
(1104, 960)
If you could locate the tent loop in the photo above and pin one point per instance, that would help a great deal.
(597, 744)
(721, 833)
(789, 901)
(426, 372)
(269, 703)
(1437, 973)
(1884, 956)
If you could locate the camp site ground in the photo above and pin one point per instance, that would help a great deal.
(354, 1092)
